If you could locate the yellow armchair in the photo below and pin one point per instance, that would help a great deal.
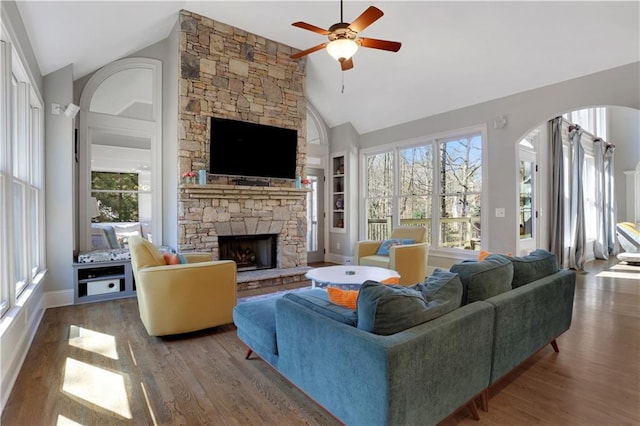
(175, 299)
(410, 260)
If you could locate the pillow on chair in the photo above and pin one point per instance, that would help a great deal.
(387, 244)
(145, 253)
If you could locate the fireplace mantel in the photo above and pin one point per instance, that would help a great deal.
(242, 192)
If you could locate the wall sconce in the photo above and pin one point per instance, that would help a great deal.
(70, 111)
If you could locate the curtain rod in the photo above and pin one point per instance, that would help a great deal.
(595, 139)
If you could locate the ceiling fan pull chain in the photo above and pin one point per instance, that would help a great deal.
(342, 74)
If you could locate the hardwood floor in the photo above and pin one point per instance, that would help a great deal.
(94, 364)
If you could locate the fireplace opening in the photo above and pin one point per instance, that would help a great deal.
(250, 252)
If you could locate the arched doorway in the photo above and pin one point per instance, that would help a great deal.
(120, 155)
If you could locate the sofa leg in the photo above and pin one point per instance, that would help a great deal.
(249, 352)
(474, 410)
(484, 400)
(554, 345)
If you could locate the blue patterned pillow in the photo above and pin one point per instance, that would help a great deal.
(387, 244)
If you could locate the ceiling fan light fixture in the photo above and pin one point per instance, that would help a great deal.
(342, 49)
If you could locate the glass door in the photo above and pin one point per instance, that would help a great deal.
(315, 216)
(527, 209)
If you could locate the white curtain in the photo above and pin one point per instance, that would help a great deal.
(557, 191)
(577, 217)
(582, 185)
(605, 242)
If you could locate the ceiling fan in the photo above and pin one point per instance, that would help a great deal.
(344, 40)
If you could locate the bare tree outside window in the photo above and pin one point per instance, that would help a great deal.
(416, 187)
(460, 190)
(117, 196)
(379, 193)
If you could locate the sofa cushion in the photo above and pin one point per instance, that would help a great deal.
(538, 264)
(388, 309)
(483, 254)
(256, 324)
(481, 280)
(443, 288)
(320, 303)
(386, 245)
(374, 260)
(145, 254)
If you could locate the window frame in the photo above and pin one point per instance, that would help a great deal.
(21, 166)
(434, 140)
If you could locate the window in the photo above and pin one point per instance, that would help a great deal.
(460, 178)
(21, 218)
(379, 195)
(593, 120)
(436, 184)
(116, 195)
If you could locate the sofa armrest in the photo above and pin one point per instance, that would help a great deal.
(365, 248)
(197, 257)
(171, 298)
(417, 376)
(529, 317)
(410, 260)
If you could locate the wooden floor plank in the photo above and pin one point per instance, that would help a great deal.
(203, 378)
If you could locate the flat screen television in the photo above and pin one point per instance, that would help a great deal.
(252, 150)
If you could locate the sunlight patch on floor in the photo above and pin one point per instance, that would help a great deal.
(97, 386)
(625, 267)
(616, 274)
(93, 341)
(65, 421)
(146, 398)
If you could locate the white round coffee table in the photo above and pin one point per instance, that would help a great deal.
(348, 275)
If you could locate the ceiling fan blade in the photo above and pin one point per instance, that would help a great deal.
(368, 17)
(373, 43)
(306, 52)
(310, 27)
(346, 65)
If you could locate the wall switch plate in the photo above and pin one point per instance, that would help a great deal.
(500, 212)
(338, 246)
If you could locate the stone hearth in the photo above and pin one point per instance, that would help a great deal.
(209, 211)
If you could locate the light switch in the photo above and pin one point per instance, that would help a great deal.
(500, 212)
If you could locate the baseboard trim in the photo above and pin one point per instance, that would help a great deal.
(339, 259)
(54, 299)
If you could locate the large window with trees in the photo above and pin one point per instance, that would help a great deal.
(21, 182)
(436, 183)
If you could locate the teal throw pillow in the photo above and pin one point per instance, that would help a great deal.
(482, 280)
(444, 289)
(389, 309)
(538, 264)
(387, 244)
(182, 259)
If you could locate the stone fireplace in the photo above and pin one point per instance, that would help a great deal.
(250, 252)
(214, 211)
(227, 72)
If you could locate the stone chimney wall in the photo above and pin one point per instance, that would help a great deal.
(227, 72)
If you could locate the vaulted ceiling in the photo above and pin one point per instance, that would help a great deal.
(453, 54)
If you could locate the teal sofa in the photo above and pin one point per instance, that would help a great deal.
(421, 374)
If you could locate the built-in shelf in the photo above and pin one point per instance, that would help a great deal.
(99, 281)
(338, 194)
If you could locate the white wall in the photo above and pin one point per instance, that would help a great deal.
(59, 164)
(523, 111)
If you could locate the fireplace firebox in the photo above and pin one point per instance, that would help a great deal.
(250, 252)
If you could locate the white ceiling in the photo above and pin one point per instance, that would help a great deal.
(453, 54)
